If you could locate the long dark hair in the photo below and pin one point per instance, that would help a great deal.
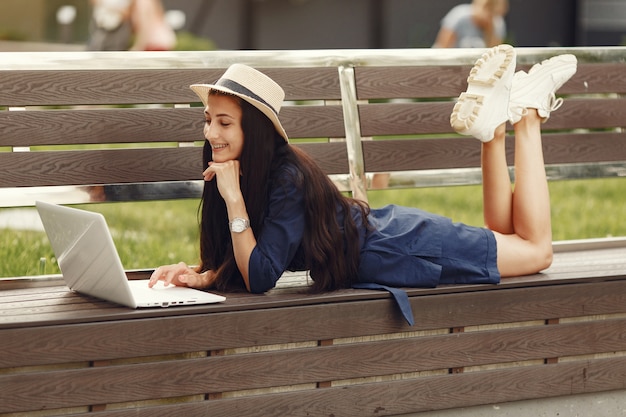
(265, 153)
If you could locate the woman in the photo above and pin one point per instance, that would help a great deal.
(137, 25)
(267, 207)
(477, 25)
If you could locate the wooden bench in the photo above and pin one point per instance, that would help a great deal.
(555, 334)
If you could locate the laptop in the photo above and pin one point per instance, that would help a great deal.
(90, 264)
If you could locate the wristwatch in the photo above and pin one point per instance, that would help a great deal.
(238, 225)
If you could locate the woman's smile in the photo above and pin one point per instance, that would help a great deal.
(218, 146)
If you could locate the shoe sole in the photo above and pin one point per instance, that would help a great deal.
(487, 71)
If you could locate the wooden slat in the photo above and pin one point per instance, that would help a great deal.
(319, 83)
(28, 169)
(402, 155)
(331, 157)
(79, 387)
(449, 81)
(67, 127)
(388, 119)
(443, 153)
(73, 127)
(588, 113)
(420, 395)
(313, 121)
(83, 87)
(590, 264)
(410, 82)
(322, 318)
(24, 169)
(586, 147)
(352, 360)
(596, 78)
(300, 366)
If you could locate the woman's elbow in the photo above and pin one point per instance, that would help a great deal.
(256, 287)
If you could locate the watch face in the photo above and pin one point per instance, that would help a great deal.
(238, 225)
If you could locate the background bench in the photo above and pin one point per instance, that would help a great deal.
(559, 333)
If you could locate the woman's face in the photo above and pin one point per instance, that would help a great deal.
(482, 13)
(223, 127)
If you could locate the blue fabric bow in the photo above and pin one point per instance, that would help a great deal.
(401, 297)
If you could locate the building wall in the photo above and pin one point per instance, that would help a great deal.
(308, 24)
(318, 24)
(313, 24)
(602, 22)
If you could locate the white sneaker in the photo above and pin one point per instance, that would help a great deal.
(536, 89)
(484, 106)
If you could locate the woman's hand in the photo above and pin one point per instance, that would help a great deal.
(180, 275)
(227, 176)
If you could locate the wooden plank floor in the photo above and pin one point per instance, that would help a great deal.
(25, 303)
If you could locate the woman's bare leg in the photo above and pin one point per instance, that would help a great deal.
(519, 218)
(529, 248)
(497, 192)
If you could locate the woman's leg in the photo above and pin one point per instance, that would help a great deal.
(528, 248)
(497, 192)
(520, 219)
(482, 111)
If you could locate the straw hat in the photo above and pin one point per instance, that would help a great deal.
(252, 86)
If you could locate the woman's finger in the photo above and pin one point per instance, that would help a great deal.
(208, 174)
(169, 274)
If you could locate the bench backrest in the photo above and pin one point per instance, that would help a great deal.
(133, 134)
(80, 127)
(584, 139)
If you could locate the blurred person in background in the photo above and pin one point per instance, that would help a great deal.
(110, 28)
(137, 25)
(152, 31)
(479, 24)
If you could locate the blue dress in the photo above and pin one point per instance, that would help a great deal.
(408, 247)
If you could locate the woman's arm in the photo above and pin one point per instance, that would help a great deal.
(261, 261)
(227, 176)
(446, 38)
(282, 234)
(244, 241)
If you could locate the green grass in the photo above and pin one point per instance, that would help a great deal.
(149, 234)
(146, 234)
(580, 209)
